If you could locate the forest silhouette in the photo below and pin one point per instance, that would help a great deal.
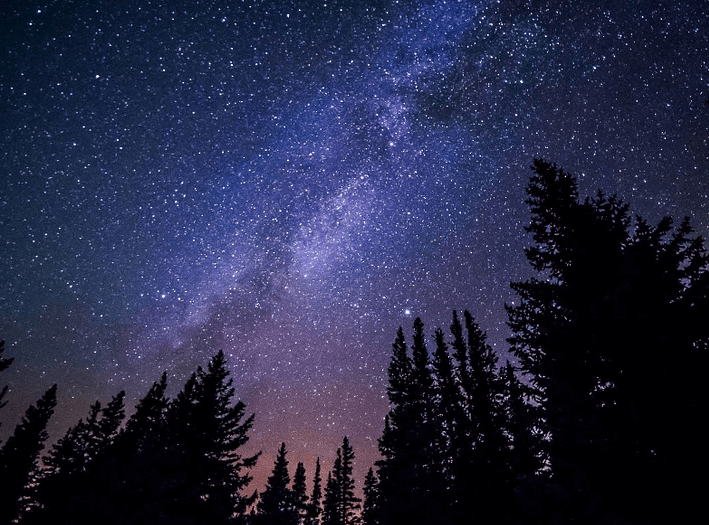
(597, 420)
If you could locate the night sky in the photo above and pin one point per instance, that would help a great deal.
(291, 181)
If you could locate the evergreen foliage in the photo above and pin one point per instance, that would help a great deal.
(341, 504)
(70, 484)
(19, 457)
(409, 475)
(277, 503)
(592, 334)
(314, 510)
(174, 462)
(370, 505)
(206, 432)
(601, 427)
(446, 451)
(300, 496)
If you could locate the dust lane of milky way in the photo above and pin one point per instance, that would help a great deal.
(291, 181)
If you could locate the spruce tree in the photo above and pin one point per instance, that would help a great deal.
(411, 477)
(300, 496)
(451, 440)
(277, 503)
(370, 505)
(331, 514)
(19, 457)
(315, 507)
(206, 433)
(75, 481)
(609, 401)
(133, 476)
(147, 427)
(349, 503)
(341, 504)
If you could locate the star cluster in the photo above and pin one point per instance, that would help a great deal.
(291, 181)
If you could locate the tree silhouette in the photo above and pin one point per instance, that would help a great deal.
(370, 506)
(410, 477)
(19, 457)
(341, 503)
(589, 334)
(206, 433)
(300, 496)
(131, 477)
(277, 503)
(314, 507)
(72, 483)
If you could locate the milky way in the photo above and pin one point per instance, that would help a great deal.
(291, 181)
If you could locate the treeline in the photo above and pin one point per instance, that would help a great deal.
(611, 340)
(599, 420)
(174, 461)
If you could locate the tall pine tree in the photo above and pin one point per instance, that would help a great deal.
(74, 482)
(207, 431)
(277, 503)
(300, 496)
(315, 506)
(593, 333)
(370, 505)
(341, 504)
(408, 471)
(19, 457)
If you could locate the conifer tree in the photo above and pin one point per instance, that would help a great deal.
(411, 476)
(314, 507)
(341, 504)
(331, 514)
(206, 433)
(524, 478)
(370, 505)
(607, 400)
(277, 503)
(72, 484)
(300, 496)
(147, 427)
(525, 459)
(19, 457)
(451, 440)
(131, 478)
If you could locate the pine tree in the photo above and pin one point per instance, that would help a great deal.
(396, 465)
(341, 504)
(524, 481)
(370, 506)
(132, 476)
(607, 399)
(206, 433)
(525, 459)
(331, 514)
(314, 507)
(19, 457)
(147, 427)
(411, 475)
(451, 438)
(74, 483)
(300, 496)
(348, 501)
(577, 248)
(277, 503)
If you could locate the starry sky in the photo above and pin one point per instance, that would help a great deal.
(291, 181)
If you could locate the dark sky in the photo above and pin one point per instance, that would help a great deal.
(290, 181)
